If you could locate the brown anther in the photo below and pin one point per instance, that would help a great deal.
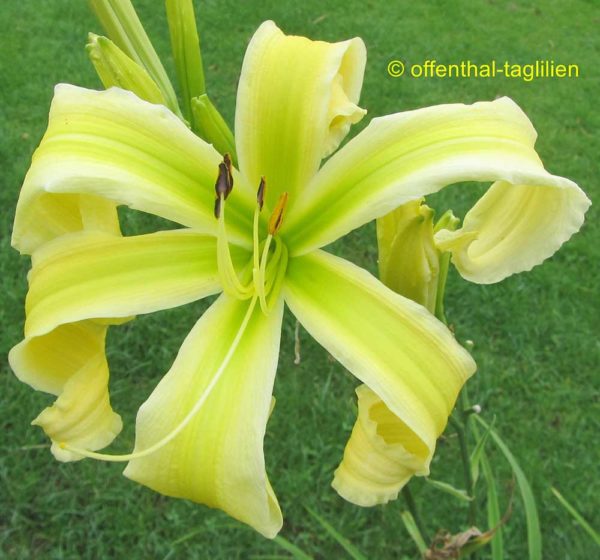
(260, 193)
(276, 218)
(218, 208)
(224, 183)
(227, 162)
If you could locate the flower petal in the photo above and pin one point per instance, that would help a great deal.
(91, 275)
(405, 355)
(113, 144)
(512, 228)
(70, 362)
(217, 459)
(402, 157)
(54, 215)
(381, 456)
(296, 101)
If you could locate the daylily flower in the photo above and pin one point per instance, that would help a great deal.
(382, 454)
(200, 434)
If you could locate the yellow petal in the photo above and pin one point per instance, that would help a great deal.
(90, 275)
(381, 456)
(296, 101)
(405, 355)
(217, 459)
(512, 228)
(114, 145)
(402, 157)
(69, 362)
(57, 214)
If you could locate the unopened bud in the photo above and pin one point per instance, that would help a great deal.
(115, 68)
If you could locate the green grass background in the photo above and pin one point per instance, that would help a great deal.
(536, 334)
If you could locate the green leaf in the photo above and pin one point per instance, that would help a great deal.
(352, 551)
(413, 531)
(534, 536)
(449, 489)
(577, 516)
(477, 453)
(493, 507)
(296, 552)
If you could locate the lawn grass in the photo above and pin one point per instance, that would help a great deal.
(535, 334)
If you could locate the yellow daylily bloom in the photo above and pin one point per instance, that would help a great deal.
(200, 434)
(383, 453)
(380, 456)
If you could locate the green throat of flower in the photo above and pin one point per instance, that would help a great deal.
(264, 274)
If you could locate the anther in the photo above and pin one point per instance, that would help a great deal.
(260, 193)
(227, 162)
(276, 218)
(224, 183)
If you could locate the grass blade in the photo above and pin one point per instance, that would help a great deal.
(493, 508)
(476, 454)
(413, 531)
(449, 489)
(296, 552)
(352, 551)
(534, 535)
(577, 516)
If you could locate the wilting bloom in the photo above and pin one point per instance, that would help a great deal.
(200, 433)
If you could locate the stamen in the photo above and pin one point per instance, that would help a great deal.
(224, 183)
(276, 218)
(227, 162)
(275, 287)
(231, 283)
(272, 265)
(260, 285)
(260, 199)
(190, 415)
(260, 193)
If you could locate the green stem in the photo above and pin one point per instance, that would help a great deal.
(461, 426)
(461, 432)
(412, 507)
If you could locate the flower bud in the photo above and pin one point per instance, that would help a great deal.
(409, 262)
(115, 68)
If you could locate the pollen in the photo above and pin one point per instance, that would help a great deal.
(276, 218)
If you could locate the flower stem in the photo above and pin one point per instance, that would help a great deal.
(461, 425)
(412, 507)
(461, 432)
